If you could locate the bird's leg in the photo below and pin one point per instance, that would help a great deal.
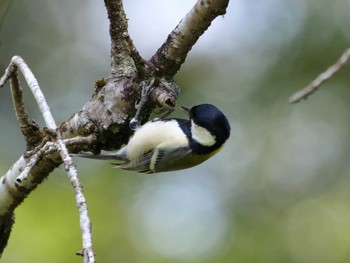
(146, 91)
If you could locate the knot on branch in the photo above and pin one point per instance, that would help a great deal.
(165, 95)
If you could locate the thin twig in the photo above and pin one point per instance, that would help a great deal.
(35, 89)
(326, 75)
(29, 128)
(16, 91)
(79, 140)
(48, 148)
(85, 224)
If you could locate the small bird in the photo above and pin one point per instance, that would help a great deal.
(163, 145)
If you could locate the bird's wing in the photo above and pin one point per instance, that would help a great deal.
(170, 160)
(158, 160)
(141, 165)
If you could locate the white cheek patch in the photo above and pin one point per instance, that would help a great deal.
(202, 135)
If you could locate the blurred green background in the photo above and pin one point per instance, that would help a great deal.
(278, 191)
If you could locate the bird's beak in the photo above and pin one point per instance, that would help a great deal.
(185, 109)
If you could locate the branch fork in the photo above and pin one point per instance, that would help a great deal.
(58, 145)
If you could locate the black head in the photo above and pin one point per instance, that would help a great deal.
(213, 120)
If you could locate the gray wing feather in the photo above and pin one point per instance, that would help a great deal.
(166, 160)
(175, 159)
(141, 165)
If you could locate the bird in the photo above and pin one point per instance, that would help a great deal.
(163, 145)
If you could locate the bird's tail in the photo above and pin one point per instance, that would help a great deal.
(120, 155)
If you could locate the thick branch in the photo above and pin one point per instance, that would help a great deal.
(13, 193)
(122, 48)
(169, 58)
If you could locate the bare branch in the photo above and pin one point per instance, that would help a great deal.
(20, 182)
(122, 48)
(29, 128)
(85, 223)
(12, 193)
(173, 52)
(323, 77)
(38, 95)
(18, 62)
(34, 159)
(48, 147)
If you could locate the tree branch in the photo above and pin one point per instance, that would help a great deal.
(123, 51)
(172, 54)
(323, 77)
(10, 193)
(29, 128)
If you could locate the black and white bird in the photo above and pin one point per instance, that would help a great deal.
(164, 145)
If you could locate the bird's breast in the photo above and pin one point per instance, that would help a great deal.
(153, 134)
